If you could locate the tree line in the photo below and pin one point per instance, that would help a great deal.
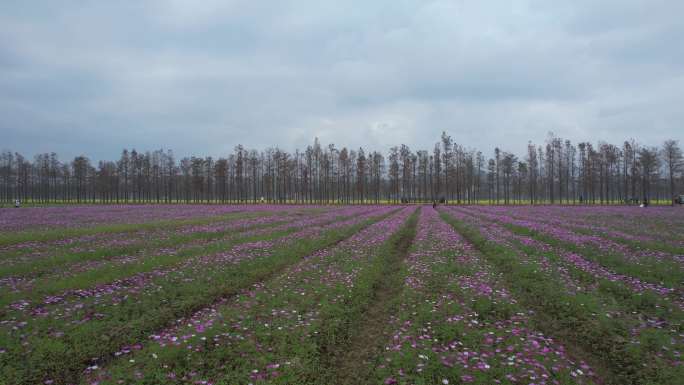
(556, 172)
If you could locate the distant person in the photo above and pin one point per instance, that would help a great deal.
(17, 203)
(434, 204)
(645, 204)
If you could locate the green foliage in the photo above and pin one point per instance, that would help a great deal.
(573, 318)
(63, 359)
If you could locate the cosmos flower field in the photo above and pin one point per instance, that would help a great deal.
(185, 294)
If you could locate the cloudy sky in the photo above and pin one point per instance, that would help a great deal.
(200, 77)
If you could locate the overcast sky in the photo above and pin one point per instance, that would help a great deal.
(200, 77)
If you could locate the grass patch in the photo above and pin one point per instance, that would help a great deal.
(573, 319)
(63, 359)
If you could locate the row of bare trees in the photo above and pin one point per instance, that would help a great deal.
(557, 171)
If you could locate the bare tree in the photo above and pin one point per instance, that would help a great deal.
(672, 157)
(648, 159)
(554, 172)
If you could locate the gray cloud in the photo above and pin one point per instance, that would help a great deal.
(201, 77)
